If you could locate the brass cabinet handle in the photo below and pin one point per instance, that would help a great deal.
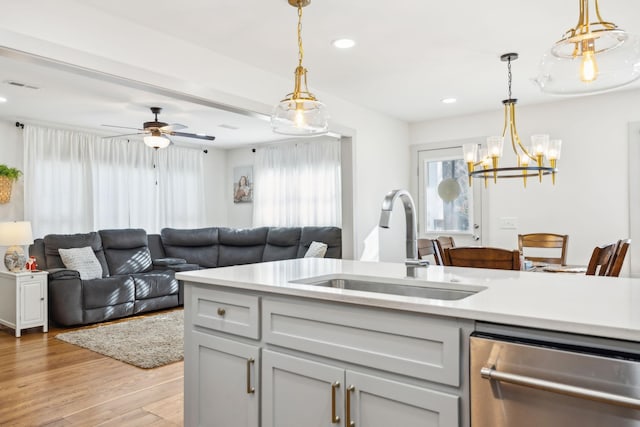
(334, 418)
(349, 423)
(221, 311)
(250, 390)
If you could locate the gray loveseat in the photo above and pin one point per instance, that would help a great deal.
(138, 269)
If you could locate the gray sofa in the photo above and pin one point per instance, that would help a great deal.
(138, 269)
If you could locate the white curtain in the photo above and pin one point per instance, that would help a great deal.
(298, 184)
(78, 182)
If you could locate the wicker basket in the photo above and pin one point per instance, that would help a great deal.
(5, 189)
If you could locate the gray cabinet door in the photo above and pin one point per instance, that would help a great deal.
(379, 402)
(298, 392)
(224, 376)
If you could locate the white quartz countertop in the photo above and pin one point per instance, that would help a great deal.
(598, 306)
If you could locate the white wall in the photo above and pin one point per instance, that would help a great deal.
(590, 200)
(71, 32)
(11, 154)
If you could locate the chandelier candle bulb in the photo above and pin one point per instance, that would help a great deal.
(553, 154)
(470, 154)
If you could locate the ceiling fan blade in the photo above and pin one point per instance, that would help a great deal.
(172, 127)
(193, 135)
(121, 127)
(126, 134)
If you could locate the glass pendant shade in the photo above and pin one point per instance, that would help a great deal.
(300, 113)
(595, 56)
(300, 117)
(154, 141)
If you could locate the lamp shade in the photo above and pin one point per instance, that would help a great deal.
(156, 141)
(17, 233)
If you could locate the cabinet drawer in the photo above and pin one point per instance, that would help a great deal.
(411, 344)
(229, 312)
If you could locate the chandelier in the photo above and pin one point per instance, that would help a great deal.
(300, 113)
(593, 56)
(530, 158)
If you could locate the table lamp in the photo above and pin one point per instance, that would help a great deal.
(15, 235)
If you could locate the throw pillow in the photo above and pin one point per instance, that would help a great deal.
(316, 250)
(82, 260)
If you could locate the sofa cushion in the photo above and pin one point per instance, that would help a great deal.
(154, 284)
(332, 236)
(241, 246)
(53, 242)
(108, 291)
(197, 246)
(82, 260)
(126, 251)
(282, 243)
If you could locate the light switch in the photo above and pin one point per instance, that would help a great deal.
(508, 223)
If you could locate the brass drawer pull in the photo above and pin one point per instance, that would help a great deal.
(349, 423)
(250, 390)
(334, 418)
(221, 311)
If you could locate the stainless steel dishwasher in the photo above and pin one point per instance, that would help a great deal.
(521, 378)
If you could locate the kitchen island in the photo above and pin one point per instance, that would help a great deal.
(261, 348)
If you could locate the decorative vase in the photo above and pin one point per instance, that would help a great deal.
(5, 189)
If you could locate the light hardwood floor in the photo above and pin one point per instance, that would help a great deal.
(47, 382)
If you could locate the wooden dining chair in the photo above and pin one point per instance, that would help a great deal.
(546, 241)
(615, 265)
(428, 247)
(442, 243)
(600, 261)
(482, 257)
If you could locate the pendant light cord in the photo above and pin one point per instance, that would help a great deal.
(300, 49)
(509, 76)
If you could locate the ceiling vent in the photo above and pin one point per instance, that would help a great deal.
(20, 84)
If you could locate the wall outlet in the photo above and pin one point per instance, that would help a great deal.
(508, 223)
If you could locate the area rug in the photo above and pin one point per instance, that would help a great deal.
(149, 342)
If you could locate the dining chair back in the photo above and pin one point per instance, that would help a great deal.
(482, 257)
(428, 247)
(600, 261)
(615, 265)
(546, 241)
(442, 243)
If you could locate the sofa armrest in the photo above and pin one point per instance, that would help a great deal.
(168, 262)
(65, 297)
(62, 273)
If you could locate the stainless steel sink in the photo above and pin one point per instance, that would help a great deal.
(410, 288)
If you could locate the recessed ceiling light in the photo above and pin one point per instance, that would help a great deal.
(3, 99)
(343, 43)
(448, 100)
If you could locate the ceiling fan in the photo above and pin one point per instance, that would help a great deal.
(156, 132)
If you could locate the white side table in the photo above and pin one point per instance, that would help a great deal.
(23, 300)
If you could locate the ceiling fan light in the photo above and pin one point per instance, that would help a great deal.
(156, 141)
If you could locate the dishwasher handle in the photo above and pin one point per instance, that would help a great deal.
(560, 388)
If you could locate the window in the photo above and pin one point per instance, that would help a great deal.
(77, 182)
(298, 184)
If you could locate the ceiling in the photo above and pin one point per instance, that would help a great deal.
(408, 56)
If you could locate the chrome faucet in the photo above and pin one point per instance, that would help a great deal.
(412, 260)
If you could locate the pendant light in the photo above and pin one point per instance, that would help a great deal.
(489, 156)
(300, 113)
(594, 56)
